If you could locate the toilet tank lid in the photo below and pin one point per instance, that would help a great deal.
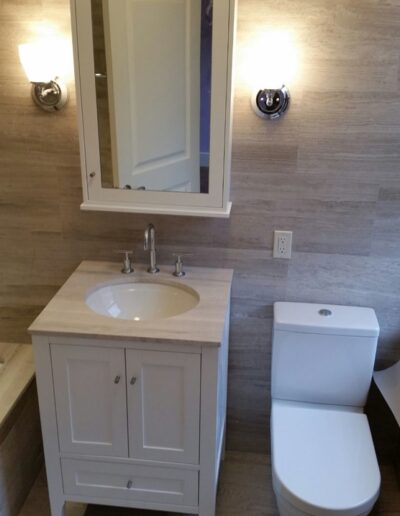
(325, 319)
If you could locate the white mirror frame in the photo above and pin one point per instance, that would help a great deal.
(214, 204)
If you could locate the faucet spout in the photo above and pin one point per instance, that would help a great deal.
(150, 245)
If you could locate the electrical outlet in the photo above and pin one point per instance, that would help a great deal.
(282, 244)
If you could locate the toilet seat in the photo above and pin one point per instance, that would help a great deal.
(323, 459)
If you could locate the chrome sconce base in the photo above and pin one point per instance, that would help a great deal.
(50, 96)
(269, 103)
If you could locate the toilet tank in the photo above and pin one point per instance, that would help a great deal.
(323, 353)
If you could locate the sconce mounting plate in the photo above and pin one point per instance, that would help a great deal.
(50, 96)
(271, 103)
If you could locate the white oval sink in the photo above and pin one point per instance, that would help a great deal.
(142, 301)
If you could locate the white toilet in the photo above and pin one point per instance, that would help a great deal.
(323, 457)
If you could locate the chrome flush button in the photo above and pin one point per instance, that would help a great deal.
(325, 312)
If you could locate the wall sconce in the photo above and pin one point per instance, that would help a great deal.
(42, 62)
(271, 104)
(269, 63)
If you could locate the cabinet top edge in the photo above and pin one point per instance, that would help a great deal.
(67, 314)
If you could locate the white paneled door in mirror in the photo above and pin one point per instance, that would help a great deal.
(153, 54)
(154, 92)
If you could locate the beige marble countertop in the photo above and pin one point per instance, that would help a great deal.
(68, 314)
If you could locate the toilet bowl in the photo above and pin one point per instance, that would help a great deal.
(323, 457)
(324, 461)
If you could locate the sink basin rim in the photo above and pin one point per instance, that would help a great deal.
(107, 304)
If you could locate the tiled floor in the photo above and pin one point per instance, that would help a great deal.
(245, 489)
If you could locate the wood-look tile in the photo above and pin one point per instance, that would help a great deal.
(20, 450)
(332, 227)
(328, 170)
(37, 503)
(284, 186)
(386, 228)
(250, 335)
(245, 489)
(388, 503)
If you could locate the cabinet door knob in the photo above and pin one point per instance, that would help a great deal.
(117, 379)
(133, 380)
(129, 484)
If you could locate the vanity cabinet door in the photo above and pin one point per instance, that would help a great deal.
(163, 405)
(90, 392)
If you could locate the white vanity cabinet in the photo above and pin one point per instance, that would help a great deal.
(132, 424)
(133, 413)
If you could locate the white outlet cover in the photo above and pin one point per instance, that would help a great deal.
(283, 244)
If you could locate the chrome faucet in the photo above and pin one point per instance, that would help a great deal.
(150, 245)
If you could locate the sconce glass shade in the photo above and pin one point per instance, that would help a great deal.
(34, 59)
(269, 59)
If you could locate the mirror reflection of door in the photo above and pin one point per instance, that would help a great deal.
(153, 86)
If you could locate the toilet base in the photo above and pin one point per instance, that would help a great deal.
(286, 509)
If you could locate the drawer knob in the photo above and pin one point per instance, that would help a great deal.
(117, 379)
(133, 380)
(129, 484)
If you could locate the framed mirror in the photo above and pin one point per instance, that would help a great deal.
(154, 96)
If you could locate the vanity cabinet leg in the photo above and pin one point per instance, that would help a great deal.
(48, 418)
(208, 432)
(57, 507)
(207, 508)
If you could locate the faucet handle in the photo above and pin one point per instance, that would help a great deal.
(127, 267)
(179, 272)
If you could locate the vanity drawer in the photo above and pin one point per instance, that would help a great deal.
(129, 482)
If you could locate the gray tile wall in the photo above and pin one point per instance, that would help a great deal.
(329, 171)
